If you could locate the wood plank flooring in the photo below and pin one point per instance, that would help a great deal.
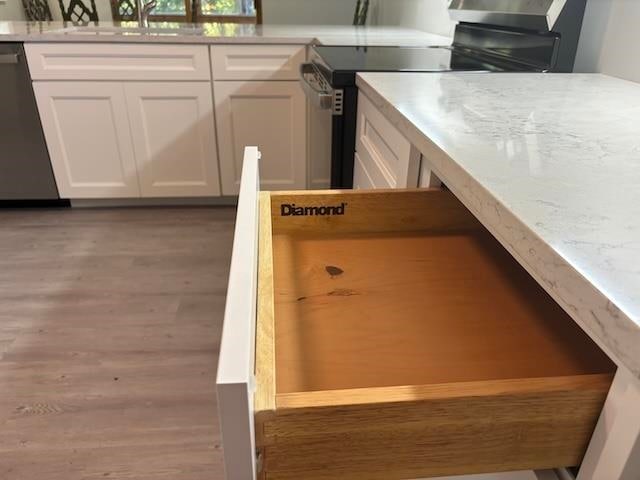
(110, 322)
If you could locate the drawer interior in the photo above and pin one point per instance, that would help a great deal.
(404, 299)
(413, 308)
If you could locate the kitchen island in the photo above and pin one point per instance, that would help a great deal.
(550, 164)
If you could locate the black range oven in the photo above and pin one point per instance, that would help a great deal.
(329, 78)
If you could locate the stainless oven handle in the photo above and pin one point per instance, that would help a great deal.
(319, 96)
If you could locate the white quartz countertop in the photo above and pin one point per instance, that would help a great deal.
(221, 33)
(550, 163)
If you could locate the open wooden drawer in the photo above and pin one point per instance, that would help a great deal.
(387, 335)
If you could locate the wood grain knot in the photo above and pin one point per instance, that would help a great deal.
(333, 271)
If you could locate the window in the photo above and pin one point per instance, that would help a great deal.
(236, 11)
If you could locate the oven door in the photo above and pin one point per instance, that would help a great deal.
(326, 130)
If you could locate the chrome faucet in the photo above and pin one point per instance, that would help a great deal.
(144, 9)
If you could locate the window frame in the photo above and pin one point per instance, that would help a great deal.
(187, 17)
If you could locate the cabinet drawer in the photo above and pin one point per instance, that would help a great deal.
(256, 62)
(384, 150)
(394, 339)
(91, 61)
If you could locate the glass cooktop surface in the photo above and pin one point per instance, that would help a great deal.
(391, 59)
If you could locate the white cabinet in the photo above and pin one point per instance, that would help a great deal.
(173, 138)
(140, 123)
(86, 127)
(270, 115)
(131, 120)
(258, 101)
(385, 158)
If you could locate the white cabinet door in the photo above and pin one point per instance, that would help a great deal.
(173, 137)
(87, 131)
(271, 116)
(388, 158)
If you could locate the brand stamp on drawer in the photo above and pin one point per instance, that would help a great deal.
(291, 209)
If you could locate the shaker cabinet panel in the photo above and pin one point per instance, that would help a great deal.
(86, 127)
(174, 139)
(271, 116)
(389, 158)
(130, 139)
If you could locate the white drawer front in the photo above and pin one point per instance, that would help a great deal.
(72, 61)
(235, 380)
(385, 149)
(256, 62)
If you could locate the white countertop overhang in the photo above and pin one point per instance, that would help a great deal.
(550, 163)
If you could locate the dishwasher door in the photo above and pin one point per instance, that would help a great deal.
(25, 168)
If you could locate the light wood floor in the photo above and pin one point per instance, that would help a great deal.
(109, 331)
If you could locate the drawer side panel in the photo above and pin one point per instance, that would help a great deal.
(265, 397)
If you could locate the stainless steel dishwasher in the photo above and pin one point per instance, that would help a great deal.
(25, 168)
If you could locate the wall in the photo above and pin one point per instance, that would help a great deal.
(609, 36)
(428, 15)
(610, 31)
(308, 12)
(11, 10)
